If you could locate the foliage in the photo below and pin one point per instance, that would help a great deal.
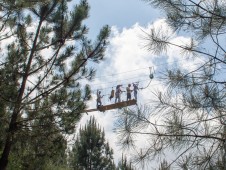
(164, 165)
(45, 56)
(41, 149)
(90, 150)
(188, 117)
(124, 164)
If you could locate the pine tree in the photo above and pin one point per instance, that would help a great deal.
(45, 54)
(187, 118)
(124, 164)
(91, 151)
(164, 165)
(35, 151)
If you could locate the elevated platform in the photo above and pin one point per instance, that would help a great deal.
(113, 106)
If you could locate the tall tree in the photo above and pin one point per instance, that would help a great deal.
(39, 149)
(188, 117)
(164, 165)
(123, 164)
(44, 56)
(91, 151)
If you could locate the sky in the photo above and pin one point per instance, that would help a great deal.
(127, 60)
(122, 14)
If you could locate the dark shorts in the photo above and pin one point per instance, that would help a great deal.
(128, 96)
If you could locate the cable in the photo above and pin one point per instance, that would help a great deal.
(123, 72)
(119, 80)
(146, 86)
(166, 63)
(130, 78)
(108, 87)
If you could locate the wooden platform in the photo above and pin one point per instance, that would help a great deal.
(113, 106)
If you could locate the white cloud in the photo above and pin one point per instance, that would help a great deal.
(128, 61)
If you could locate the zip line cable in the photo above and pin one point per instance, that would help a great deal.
(109, 87)
(119, 80)
(166, 63)
(110, 75)
(129, 78)
(150, 76)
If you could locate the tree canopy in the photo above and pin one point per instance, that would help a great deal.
(91, 150)
(46, 58)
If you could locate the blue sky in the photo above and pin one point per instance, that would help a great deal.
(119, 13)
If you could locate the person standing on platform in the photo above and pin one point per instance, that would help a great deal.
(118, 92)
(99, 97)
(135, 89)
(112, 94)
(128, 92)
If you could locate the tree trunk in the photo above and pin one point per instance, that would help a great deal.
(12, 126)
(5, 154)
(8, 142)
(224, 152)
